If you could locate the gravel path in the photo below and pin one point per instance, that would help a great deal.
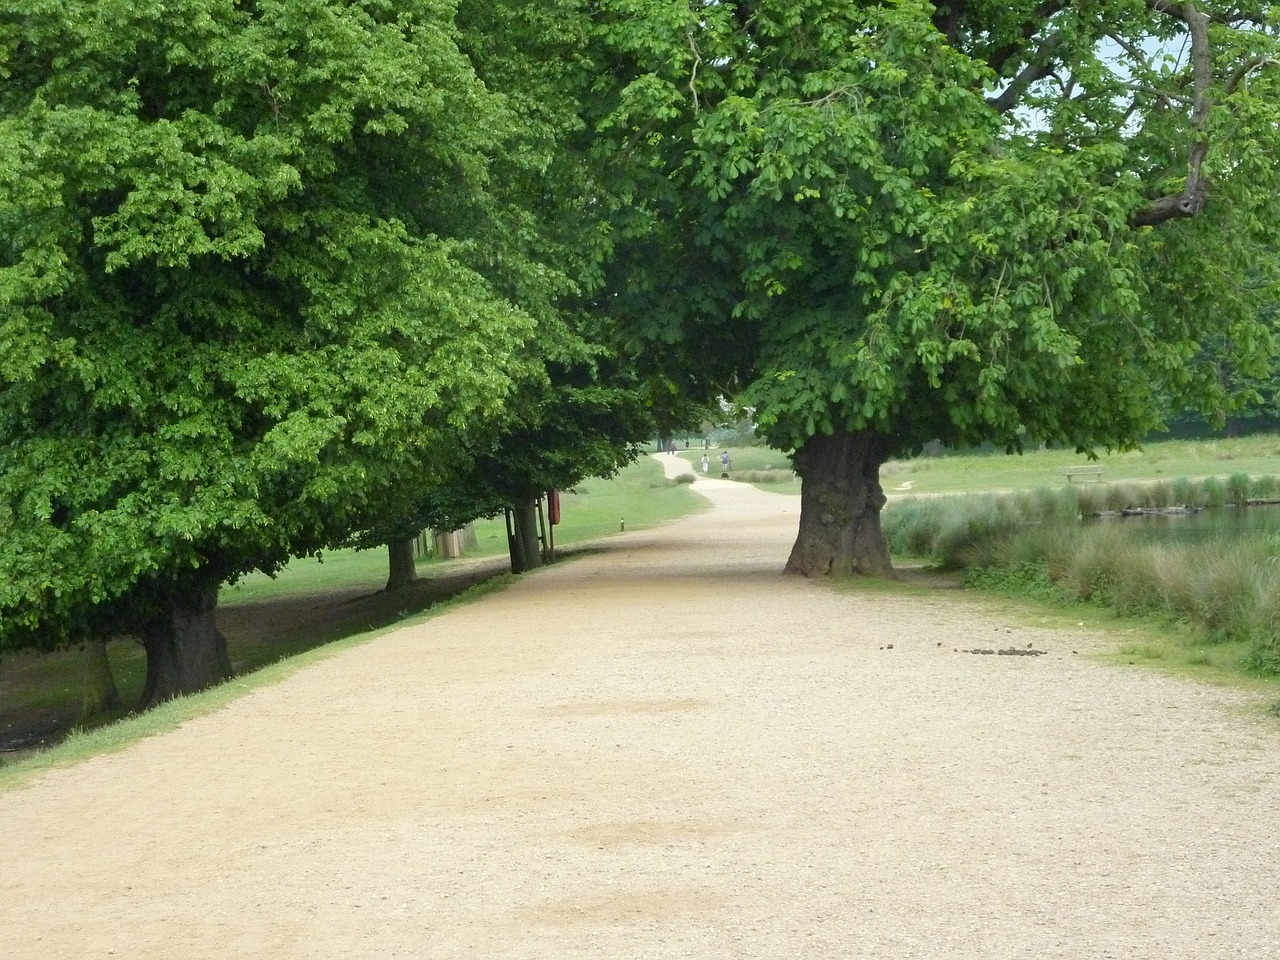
(670, 750)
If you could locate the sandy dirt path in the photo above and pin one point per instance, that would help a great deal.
(670, 750)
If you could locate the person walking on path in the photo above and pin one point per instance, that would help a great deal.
(724, 463)
(706, 463)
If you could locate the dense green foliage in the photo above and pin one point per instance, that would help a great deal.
(281, 275)
(583, 414)
(967, 221)
(254, 276)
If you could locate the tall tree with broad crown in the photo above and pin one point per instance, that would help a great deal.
(582, 412)
(241, 298)
(881, 223)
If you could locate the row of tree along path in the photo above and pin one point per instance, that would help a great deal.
(277, 278)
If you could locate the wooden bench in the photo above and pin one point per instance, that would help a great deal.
(1090, 474)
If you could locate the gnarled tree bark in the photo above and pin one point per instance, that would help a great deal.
(185, 650)
(840, 503)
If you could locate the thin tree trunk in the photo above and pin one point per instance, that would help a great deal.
(98, 692)
(840, 502)
(185, 650)
(403, 571)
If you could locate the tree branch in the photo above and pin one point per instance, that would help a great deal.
(1246, 68)
(1189, 202)
(1037, 68)
(1179, 12)
(697, 62)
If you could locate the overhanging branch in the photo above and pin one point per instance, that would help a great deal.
(1039, 67)
(1190, 201)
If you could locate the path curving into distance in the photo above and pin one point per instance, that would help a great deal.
(668, 749)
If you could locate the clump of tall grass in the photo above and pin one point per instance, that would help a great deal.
(1158, 495)
(1124, 496)
(1264, 487)
(953, 532)
(1051, 503)
(1238, 485)
(1185, 492)
(1091, 499)
(1213, 492)
(1227, 589)
(768, 475)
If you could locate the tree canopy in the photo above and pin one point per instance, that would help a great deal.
(583, 411)
(883, 223)
(280, 273)
(254, 274)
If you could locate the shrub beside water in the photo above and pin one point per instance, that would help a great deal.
(1213, 492)
(1238, 485)
(1226, 588)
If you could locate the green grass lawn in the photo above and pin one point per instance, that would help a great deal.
(640, 496)
(1163, 460)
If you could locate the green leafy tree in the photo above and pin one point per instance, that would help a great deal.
(881, 223)
(1255, 392)
(254, 278)
(582, 411)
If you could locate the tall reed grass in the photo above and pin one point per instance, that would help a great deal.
(1227, 588)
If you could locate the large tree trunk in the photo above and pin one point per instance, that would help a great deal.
(403, 571)
(522, 536)
(840, 501)
(185, 650)
(98, 692)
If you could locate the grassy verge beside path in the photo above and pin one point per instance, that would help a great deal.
(1208, 583)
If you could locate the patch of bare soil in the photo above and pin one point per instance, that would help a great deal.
(668, 749)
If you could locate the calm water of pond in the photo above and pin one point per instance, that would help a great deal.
(1219, 523)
